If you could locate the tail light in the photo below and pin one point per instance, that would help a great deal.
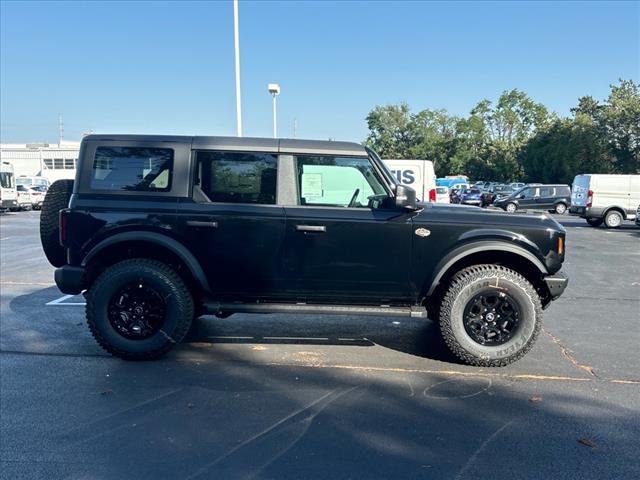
(432, 195)
(63, 223)
(589, 198)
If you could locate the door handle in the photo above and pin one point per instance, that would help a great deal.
(311, 228)
(199, 223)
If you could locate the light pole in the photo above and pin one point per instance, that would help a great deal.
(274, 90)
(236, 41)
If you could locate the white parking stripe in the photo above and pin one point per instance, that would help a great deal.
(59, 301)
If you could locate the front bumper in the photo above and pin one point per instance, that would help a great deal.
(471, 202)
(556, 284)
(70, 279)
(9, 203)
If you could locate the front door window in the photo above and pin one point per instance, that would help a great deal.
(330, 181)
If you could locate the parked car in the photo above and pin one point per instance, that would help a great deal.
(455, 193)
(37, 196)
(517, 185)
(608, 199)
(638, 216)
(471, 196)
(554, 198)
(442, 195)
(286, 226)
(494, 192)
(24, 198)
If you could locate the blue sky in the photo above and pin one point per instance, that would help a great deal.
(168, 67)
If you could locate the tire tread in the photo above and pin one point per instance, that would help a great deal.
(464, 278)
(184, 298)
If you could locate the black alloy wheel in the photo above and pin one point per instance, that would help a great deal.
(137, 311)
(491, 318)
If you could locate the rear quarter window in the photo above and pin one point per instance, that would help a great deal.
(132, 169)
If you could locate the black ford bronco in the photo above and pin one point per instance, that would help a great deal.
(158, 230)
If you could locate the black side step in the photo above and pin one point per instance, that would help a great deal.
(301, 308)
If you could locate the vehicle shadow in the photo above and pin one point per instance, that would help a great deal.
(416, 337)
(31, 324)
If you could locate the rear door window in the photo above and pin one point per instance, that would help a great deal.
(236, 177)
(132, 169)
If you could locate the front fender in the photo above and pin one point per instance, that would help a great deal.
(506, 242)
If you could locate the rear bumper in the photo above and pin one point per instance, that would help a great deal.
(69, 279)
(556, 284)
(586, 212)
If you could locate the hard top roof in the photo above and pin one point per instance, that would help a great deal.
(276, 145)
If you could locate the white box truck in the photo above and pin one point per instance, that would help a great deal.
(608, 199)
(8, 193)
(418, 174)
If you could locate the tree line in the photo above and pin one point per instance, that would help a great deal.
(517, 138)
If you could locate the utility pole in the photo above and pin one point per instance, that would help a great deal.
(295, 127)
(236, 41)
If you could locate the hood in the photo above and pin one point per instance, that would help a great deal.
(467, 214)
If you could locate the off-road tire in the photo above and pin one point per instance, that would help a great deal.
(179, 308)
(560, 209)
(56, 199)
(464, 285)
(613, 219)
(595, 222)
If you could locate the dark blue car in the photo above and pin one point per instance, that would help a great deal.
(471, 196)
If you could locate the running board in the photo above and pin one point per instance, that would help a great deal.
(302, 308)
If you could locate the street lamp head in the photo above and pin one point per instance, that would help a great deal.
(274, 88)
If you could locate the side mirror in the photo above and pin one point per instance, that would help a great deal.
(405, 197)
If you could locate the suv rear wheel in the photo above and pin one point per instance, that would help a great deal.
(490, 316)
(561, 208)
(139, 309)
(613, 219)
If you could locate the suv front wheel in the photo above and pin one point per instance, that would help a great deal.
(139, 309)
(490, 316)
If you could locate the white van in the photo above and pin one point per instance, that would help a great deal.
(33, 181)
(605, 198)
(8, 193)
(418, 174)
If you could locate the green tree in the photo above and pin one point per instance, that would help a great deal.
(621, 124)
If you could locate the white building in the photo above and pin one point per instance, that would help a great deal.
(52, 161)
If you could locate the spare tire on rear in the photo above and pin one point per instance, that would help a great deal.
(56, 199)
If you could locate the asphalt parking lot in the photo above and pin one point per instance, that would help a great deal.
(271, 396)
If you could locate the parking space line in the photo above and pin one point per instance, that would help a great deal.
(59, 302)
(517, 376)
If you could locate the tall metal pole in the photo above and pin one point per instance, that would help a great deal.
(236, 41)
(275, 119)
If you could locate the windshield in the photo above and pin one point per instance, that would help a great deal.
(517, 192)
